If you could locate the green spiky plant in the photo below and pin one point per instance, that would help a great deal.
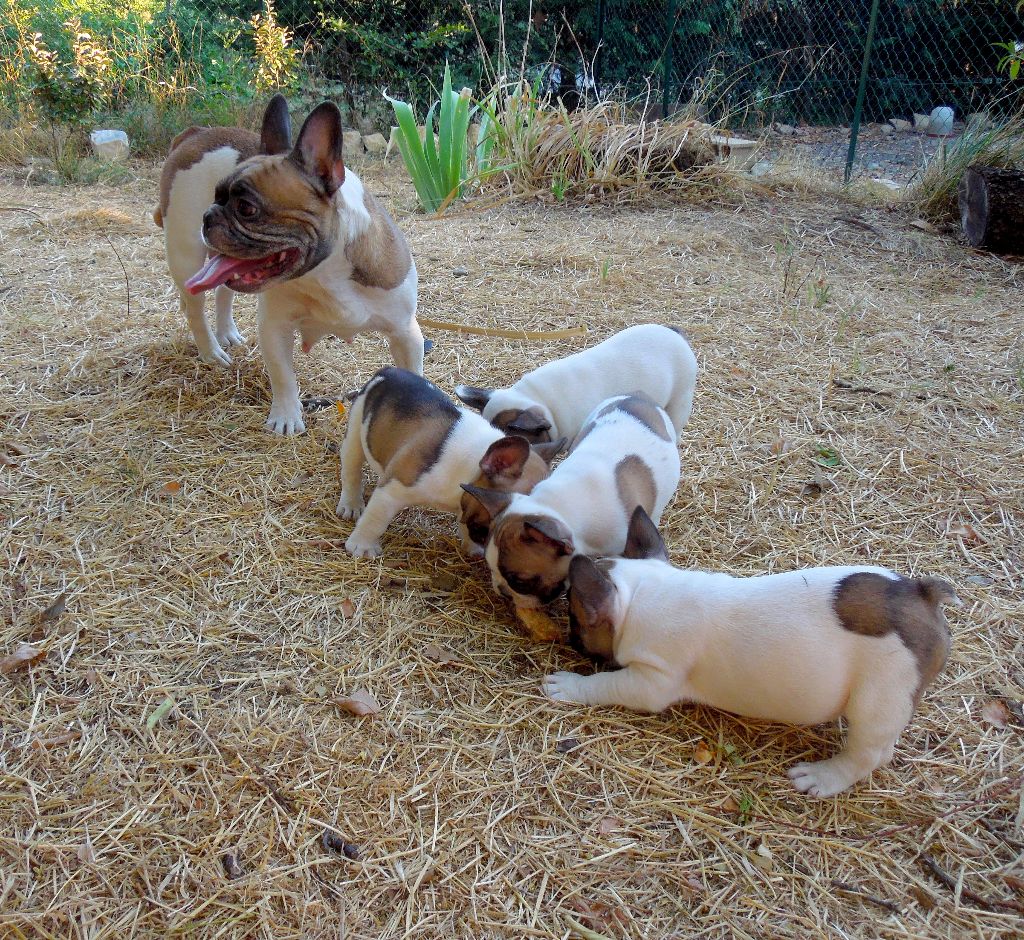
(437, 162)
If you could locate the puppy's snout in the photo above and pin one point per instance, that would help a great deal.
(208, 218)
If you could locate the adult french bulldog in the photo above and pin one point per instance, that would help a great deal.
(802, 647)
(422, 448)
(625, 456)
(554, 399)
(292, 224)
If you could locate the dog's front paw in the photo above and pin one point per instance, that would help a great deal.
(359, 548)
(229, 336)
(286, 419)
(562, 687)
(214, 356)
(821, 778)
(350, 507)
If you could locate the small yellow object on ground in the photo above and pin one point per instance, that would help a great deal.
(340, 405)
(539, 626)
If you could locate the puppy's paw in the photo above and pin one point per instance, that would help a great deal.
(562, 687)
(350, 507)
(359, 548)
(822, 778)
(286, 419)
(214, 356)
(229, 336)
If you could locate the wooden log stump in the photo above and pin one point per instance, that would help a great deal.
(992, 208)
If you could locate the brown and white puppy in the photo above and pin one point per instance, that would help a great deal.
(422, 448)
(624, 457)
(802, 647)
(292, 224)
(554, 399)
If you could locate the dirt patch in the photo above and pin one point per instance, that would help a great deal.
(180, 760)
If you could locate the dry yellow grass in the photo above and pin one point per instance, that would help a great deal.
(181, 760)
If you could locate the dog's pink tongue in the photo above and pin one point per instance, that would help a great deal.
(217, 270)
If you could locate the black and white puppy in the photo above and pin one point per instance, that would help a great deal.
(554, 399)
(802, 647)
(423, 448)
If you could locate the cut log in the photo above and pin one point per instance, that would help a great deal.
(992, 208)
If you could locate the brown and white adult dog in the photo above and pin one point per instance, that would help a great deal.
(295, 226)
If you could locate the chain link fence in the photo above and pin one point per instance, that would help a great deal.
(751, 62)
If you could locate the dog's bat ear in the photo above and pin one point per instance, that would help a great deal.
(548, 451)
(473, 396)
(318, 149)
(493, 501)
(643, 539)
(276, 132)
(505, 459)
(549, 532)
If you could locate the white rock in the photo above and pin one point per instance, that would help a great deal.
(979, 120)
(874, 167)
(901, 125)
(787, 130)
(888, 184)
(761, 168)
(375, 143)
(886, 130)
(737, 153)
(941, 121)
(351, 144)
(110, 144)
(922, 123)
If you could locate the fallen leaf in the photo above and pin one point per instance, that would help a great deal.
(91, 676)
(693, 883)
(438, 654)
(24, 654)
(730, 805)
(86, 854)
(7, 462)
(922, 897)
(996, 713)
(56, 608)
(828, 456)
(231, 865)
(609, 824)
(762, 857)
(925, 226)
(340, 405)
(598, 915)
(702, 754)
(161, 711)
(358, 703)
(779, 446)
(966, 532)
(566, 745)
(348, 608)
(173, 488)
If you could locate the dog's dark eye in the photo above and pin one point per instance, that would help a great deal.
(246, 209)
(478, 533)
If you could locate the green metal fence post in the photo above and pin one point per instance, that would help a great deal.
(862, 87)
(666, 76)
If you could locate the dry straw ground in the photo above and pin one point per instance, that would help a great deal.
(860, 400)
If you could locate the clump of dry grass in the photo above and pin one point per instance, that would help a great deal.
(180, 759)
(999, 144)
(595, 152)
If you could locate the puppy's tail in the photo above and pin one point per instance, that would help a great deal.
(935, 591)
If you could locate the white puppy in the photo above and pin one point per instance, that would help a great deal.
(554, 400)
(295, 226)
(422, 448)
(624, 457)
(803, 647)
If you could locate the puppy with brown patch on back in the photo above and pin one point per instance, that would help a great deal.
(804, 647)
(554, 399)
(624, 457)
(294, 225)
(423, 448)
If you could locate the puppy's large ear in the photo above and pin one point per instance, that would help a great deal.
(505, 459)
(473, 396)
(549, 451)
(549, 532)
(276, 132)
(591, 608)
(530, 422)
(318, 149)
(494, 501)
(643, 539)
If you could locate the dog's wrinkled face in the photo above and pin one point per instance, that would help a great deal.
(592, 596)
(529, 558)
(510, 465)
(274, 217)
